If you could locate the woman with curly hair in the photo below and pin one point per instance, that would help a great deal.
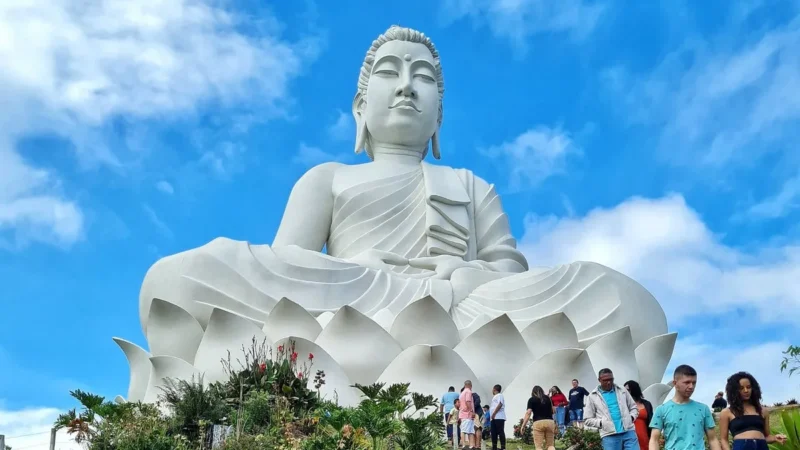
(642, 422)
(745, 417)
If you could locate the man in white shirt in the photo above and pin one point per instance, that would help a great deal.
(498, 411)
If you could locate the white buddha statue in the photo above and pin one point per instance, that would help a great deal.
(377, 237)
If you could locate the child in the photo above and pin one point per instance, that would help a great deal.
(487, 422)
(454, 421)
(479, 430)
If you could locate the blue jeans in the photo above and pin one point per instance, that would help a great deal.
(750, 444)
(576, 415)
(560, 415)
(621, 441)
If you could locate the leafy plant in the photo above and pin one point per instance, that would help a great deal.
(83, 425)
(583, 439)
(526, 435)
(792, 401)
(193, 404)
(791, 359)
(790, 419)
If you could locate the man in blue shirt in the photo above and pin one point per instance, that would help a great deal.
(612, 410)
(576, 398)
(445, 405)
(682, 421)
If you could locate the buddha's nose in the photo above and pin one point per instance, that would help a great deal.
(405, 89)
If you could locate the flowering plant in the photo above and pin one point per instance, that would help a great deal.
(526, 435)
(280, 373)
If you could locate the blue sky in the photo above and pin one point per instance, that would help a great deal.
(657, 139)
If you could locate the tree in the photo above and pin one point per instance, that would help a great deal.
(791, 359)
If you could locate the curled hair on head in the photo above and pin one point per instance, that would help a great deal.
(497, 387)
(735, 401)
(635, 390)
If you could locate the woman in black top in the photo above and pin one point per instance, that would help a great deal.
(642, 422)
(544, 427)
(745, 418)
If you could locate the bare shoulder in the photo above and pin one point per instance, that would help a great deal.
(725, 414)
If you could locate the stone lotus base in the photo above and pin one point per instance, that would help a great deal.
(421, 346)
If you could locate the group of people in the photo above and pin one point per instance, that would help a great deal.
(468, 421)
(622, 416)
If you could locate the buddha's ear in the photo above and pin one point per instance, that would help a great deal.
(361, 124)
(435, 145)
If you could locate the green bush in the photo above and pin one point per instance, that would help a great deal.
(583, 439)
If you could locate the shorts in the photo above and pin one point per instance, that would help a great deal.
(576, 415)
(467, 426)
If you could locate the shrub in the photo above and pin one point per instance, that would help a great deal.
(583, 439)
(526, 436)
(792, 401)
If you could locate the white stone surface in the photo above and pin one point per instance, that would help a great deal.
(421, 280)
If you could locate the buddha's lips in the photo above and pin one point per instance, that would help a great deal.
(408, 103)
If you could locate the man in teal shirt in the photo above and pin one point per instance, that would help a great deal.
(448, 398)
(682, 421)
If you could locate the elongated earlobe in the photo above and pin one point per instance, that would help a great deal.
(361, 135)
(435, 145)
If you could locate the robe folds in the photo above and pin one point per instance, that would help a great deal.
(422, 211)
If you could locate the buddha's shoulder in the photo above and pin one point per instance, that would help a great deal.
(321, 173)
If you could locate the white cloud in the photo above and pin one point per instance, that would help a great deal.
(165, 187)
(665, 245)
(517, 20)
(31, 206)
(70, 68)
(344, 128)
(29, 429)
(780, 204)
(162, 227)
(727, 99)
(535, 155)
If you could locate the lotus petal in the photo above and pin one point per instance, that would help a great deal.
(119, 400)
(615, 351)
(431, 368)
(652, 357)
(657, 393)
(337, 384)
(324, 318)
(554, 369)
(496, 351)
(164, 367)
(288, 318)
(139, 363)
(424, 322)
(226, 332)
(384, 318)
(475, 324)
(550, 333)
(360, 346)
(167, 320)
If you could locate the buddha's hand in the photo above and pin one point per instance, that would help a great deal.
(379, 260)
(443, 265)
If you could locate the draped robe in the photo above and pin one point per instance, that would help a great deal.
(423, 210)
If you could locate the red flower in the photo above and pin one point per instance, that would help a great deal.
(299, 374)
(262, 366)
(311, 356)
(280, 348)
(294, 356)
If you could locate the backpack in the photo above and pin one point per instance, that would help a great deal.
(476, 403)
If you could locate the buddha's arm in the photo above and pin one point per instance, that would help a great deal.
(497, 248)
(307, 219)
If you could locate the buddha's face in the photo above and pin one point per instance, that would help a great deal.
(402, 101)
